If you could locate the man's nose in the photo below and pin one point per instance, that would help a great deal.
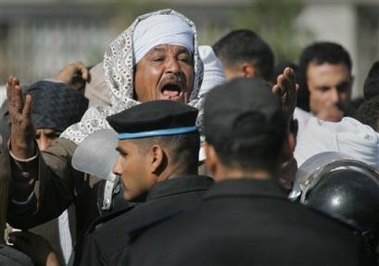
(117, 169)
(333, 97)
(44, 142)
(173, 66)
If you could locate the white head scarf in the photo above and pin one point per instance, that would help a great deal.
(213, 70)
(152, 31)
(119, 76)
(348, 136)
(212, 77)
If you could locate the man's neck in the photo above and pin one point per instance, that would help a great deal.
(177, 171)
(235, 173)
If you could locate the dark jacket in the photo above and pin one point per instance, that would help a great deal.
(58, 185)
(166, 198)
(248, 222)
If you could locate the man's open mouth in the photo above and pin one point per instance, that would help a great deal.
(171, 91)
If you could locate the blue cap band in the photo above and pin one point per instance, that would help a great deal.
(157, 133)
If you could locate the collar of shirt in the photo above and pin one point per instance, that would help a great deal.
(179, 185)
(246, 187)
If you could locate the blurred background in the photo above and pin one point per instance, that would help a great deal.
(39, 37)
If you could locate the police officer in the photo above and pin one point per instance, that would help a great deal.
(157, 164)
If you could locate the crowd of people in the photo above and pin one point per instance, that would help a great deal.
(222, 156)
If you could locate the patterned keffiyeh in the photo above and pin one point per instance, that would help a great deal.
(119, 75)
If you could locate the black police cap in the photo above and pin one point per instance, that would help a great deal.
(154, 118)
(242, 107)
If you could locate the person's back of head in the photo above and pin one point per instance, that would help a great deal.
(240, 46)
(368, 113)
(324, 52)
(245, 124)
(371, 84)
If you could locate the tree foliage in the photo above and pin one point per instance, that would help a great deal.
(275, 22)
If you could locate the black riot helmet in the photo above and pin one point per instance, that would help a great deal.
(345, 189)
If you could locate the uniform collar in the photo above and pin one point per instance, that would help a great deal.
(179, 185)
(246, 187)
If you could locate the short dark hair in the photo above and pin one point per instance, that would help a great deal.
(256, 152)
(324, 52)
(184, 148)
(368, 113)
(245, 123)
(245, 45)
(371, 84)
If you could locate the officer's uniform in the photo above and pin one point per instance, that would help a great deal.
(109, 239)
(168, 198)
(248, 222)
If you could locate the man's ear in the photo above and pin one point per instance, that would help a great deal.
(249, 70)
(211, 159)
(157, 159)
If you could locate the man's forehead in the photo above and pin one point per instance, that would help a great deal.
(327, 69)
(169, 47)
(46, 130)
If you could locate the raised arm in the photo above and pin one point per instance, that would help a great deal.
(287, 88)
(22, 137)
(42, 185)
(75, 75)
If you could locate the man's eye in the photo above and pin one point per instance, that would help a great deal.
(158, 59)
(323, 89)
(185, 59)
(53, 135)
(121, 152)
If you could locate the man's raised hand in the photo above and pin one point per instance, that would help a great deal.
(287, 88)
(22, 128)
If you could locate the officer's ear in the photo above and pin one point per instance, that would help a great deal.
(248, 70)
(157, 159)
(211, 158)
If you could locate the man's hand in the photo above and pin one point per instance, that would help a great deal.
(22, 128)
(287, 88)
(35, 246)
(75, 75)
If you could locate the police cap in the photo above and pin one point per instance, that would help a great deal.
(153, 119)
(240, 108)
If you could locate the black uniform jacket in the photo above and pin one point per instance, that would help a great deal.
(105, 245)
(248, 222)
